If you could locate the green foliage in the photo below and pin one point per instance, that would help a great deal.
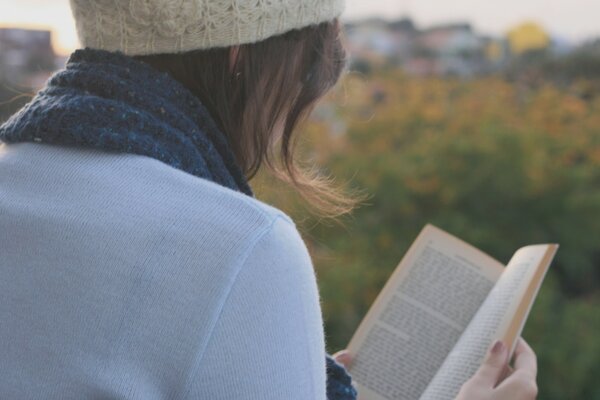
(498, 165)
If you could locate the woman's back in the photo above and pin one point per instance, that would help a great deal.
(122, 277)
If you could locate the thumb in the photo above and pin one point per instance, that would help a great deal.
(493, 365)
(343, 357)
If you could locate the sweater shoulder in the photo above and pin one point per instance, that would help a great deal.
(152, 258)
(132, 186)
(276, 287)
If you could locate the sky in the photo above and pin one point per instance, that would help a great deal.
(572, 20)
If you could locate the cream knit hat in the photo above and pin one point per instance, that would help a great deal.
(138, 27)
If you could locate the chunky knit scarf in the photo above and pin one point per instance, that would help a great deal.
(110, 101)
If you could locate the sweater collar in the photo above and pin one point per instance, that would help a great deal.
(114, 102)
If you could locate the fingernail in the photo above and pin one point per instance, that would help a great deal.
(498, 347)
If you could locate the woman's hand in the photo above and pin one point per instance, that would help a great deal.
(488, 383)
(343, 357)
(495, 379)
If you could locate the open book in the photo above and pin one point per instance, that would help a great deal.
(444, 305)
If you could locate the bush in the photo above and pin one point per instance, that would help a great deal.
(498, 165)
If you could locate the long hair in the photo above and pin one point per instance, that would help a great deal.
(271, 86)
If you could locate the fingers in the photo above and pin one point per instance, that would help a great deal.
(508, 370)
(525, 359)
(343, 357)
(521, 384)
(488, 382)
(493, 365)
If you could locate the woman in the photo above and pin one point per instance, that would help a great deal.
(136, 262)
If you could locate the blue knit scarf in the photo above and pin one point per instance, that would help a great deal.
(110, 101)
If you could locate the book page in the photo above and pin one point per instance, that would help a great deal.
(419, 316)
(501, 316)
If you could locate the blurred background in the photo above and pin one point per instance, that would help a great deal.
(481, 118)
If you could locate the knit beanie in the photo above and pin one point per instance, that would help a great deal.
(141, 27)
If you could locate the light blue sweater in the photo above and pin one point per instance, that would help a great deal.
(124, 278)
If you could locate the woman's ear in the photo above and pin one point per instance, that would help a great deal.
(233, 54)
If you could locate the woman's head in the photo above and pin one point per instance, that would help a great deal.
(258, 93)
(258, 87)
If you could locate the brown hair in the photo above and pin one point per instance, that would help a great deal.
(273, 83)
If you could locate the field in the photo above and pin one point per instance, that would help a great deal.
(500, 164)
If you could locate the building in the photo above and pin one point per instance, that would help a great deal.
(26, 56)
(381, 42)
(449, 50)
(446, 50)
